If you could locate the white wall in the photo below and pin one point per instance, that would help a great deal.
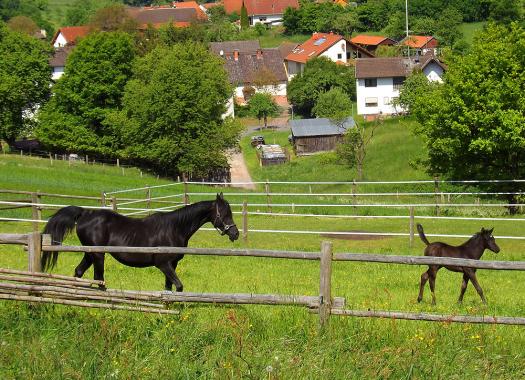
(230, 111)
(57, 72)
(60, 41)
(266, 19)
(384, 92)
(433, 72)
(339, 48)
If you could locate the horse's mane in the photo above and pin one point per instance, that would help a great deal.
(181, 216)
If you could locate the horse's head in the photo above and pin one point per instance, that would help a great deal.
(223, 219)
(489, 240)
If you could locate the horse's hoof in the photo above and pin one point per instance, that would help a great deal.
(102, 287)
(179, 289)
(419, 299)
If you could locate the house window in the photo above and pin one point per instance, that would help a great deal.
(262, 19)
(371, 82)
(343, 46)
(339, 56)
(370, 102)
(398, 83)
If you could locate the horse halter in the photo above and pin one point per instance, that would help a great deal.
(225, 227)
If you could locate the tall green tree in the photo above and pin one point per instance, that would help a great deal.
(319, 76)
(333, 104)
(262, 107)
(415, 87)
(474, 125)
(25, 77)
(172, 111)
(245, 23)
(74, 120)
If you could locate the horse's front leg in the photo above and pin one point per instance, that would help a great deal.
(98, 272)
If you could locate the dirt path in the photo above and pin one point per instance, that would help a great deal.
(239, 171)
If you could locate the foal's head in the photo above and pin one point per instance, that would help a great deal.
(488, 240)
(223, 219)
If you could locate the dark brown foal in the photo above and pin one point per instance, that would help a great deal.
(471, 249)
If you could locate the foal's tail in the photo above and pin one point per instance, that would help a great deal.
(60, 224)
(422, 234)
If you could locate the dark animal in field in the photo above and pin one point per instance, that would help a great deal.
(108, 228)
(471, 249)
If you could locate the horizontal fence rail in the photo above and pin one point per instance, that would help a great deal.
(39, 287)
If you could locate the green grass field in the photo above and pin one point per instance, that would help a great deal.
(255, 342)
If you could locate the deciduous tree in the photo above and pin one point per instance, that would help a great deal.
(474, 125)
(25, 76)
(319, 76)
(262, 107)
(172, 111)
(96, 73)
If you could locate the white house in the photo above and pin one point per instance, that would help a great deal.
(269, 12)
(379, 80)
(248, 66)
(329, 45)
(68, 35)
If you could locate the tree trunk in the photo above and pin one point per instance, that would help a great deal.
(265, 122)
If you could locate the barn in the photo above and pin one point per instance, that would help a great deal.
(317, 135)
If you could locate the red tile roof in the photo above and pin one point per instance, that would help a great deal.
(363, 39)
(259, 7)
(71, 33)
(193, 5)
(313, 47)
(317, 44)
(418, 42)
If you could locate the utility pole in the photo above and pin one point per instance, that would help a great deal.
(406, 24)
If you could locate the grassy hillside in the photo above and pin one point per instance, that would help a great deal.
(257, 342)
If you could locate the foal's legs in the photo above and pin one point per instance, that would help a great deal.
(84, 265)
(472, 275)
(424, 279)
(463, 287)
(432, 272)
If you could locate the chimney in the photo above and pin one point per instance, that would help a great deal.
(259, 54)
(236, 55)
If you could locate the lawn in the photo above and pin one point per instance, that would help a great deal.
(262, 341)
(469, 29)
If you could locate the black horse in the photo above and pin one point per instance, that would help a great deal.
(107, 228)
(471, 249)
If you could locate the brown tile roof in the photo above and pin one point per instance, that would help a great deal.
(71, 33)
(419, 42)
(259, 7)
(162, 15)
(363, 39)
(382, 67)
(245, 68)
(58, 59)
(388, 67)
(228, 47)
(287, 47)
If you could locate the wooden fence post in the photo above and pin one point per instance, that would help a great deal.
(436, 192)
(36, 211)
(411, 228)
(354, 196)
(103, 199)
(34, 251)
(268, 196)
(186, 196)
(118, 162)
(325, 284)
(148, 196)
(245, 221)
(114, 203)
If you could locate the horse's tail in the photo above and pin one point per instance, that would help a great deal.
(58, 226)
(422, 234)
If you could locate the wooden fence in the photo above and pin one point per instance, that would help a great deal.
(325, 304)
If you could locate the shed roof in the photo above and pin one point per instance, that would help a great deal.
(364, 39)
(319, 127)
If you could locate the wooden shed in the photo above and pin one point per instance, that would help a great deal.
(317, 135)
